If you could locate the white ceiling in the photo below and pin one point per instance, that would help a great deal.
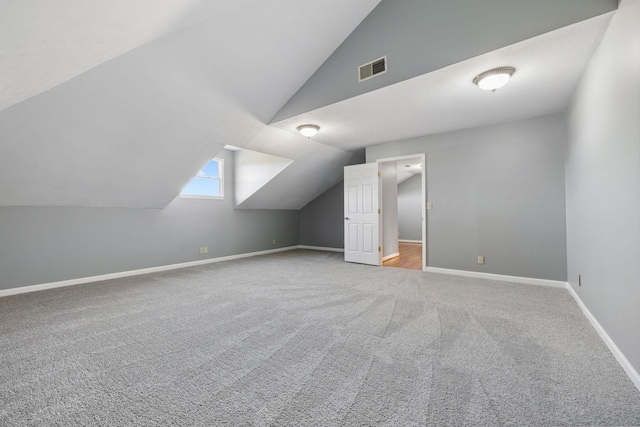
(119, 103)
(45, 43)
(182, 82)
(407, 168)
(548, 68)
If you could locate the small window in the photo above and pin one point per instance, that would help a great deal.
(208, 183)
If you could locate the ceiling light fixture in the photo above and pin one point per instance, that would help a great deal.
(494, 79)
(308, 130)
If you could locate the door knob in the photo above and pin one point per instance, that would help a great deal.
(348, 219)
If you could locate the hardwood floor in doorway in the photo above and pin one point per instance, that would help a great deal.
(410, 257)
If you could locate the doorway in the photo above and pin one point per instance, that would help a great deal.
(371, 230)
(402, 201)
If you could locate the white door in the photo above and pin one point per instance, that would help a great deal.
(361, 214)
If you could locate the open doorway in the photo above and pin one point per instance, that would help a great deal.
(371, 228)
(402, 201)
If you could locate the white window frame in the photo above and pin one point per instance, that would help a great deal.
(220, 178)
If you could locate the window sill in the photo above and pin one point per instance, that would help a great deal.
(192, 196)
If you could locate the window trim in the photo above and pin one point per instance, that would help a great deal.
(220, 178)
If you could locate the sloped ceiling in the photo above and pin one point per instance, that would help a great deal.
(46, 43)
(317, 169)
(420, 37)
(548, 67)
(131, 131)
(252, 170)
(120, 102)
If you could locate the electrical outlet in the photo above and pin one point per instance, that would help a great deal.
(273, 241)
(206, 249)
(480, 260)
(201, 249)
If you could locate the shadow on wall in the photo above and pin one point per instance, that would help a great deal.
(409, 209)
(322, 219)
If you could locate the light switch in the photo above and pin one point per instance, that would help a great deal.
(429, 206)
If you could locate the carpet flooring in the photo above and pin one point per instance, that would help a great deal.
(302, 338)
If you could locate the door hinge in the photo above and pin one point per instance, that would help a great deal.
(378, 211)
(379, 250)
(379, 173)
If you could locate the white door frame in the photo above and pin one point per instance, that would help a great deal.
(421, 156)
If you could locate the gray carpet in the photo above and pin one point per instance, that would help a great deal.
(302, 338)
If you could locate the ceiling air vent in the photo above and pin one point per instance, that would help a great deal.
(372, 69)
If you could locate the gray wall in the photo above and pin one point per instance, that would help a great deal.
(603, 183)
(322, 219)
(410, 209)
(48, 244)
(389, 206)
(497, 191)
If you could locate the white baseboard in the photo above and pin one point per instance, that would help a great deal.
(409, 241)
(321, 248)
(622, 360)
(81, 280)
(501, 277)
(384, 258)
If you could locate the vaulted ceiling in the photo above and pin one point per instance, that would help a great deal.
(120, 102)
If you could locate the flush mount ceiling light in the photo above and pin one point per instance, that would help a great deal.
(494, 79)
(308, 130)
